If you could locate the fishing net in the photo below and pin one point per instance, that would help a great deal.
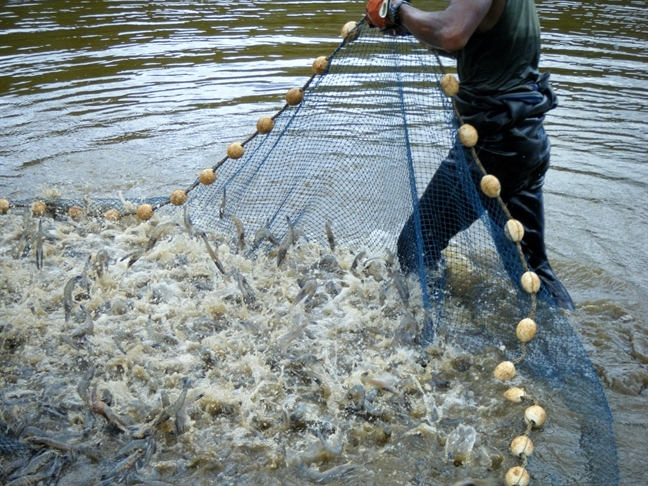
(346, 165)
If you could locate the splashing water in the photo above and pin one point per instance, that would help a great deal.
(189, 375)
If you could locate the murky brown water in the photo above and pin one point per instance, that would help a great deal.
(103, 97)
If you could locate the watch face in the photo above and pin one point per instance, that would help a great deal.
(383, 9)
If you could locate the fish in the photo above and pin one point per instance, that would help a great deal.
(357, 396)
(39, 245)
(123, 465)
(356, 260)
(240, 232)
(335, 451)
(389, 257)
(27, 239)
(287, 240)
(157, 232)
(401, 285)
(35, 464)
(30, 479)
(85, 281)
(175, 407)
(221, 210)
(68, 297)
(326, 476)
(329, 235)
(53, 443)
(86, 328)
(246, 289)
(101, 261)
(160, 338)
(151, 447)
(328, 263)
(384, 381)
(165, 414)
(294, 333)
(285, 417)
(264, 233)
(181, 421)
(139, 444)
(212, 253)
(191, 231)
(407, 331)
(164, 396)
(383, 432)
(83, 388)
(307, 291)
(101, 408)
(132, 258)
(23, 240)
(300, 233)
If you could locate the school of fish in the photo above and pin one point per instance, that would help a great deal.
(155, 353)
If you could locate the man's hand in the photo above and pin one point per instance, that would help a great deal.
(384, 13)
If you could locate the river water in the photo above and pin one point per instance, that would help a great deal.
(103, 98)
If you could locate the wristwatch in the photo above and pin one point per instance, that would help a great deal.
(389, 9)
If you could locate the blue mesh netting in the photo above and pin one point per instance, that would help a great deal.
(359, 151)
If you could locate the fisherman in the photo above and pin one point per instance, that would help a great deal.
(503, 95)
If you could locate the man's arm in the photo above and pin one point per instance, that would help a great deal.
(451, 28)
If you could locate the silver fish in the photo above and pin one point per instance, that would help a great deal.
(86, 328)
(157, 232)
(68, 297)
(149, 451)
(287, 240)
(101, 408)
(132, 257)
(389, 258)
(329, 235)
(264, 233)
(85, 278)
(356, 260)
(221, 210)
(175, 407)
(187, 221)
(139, 444)
(123, 465)
(307, 291)
(212, 253)
(240, 232)
(23, 240)
(407, 331)
(383, 380)
(357, 396)
(181, 421)
(27, 239)
(300, 233)
(30, 479)
(294, 333)
(246, 289)
(335, 451)
(401, 285)
(39, 245)
(327, 476)
(35, 464)
(83, 388)
(101, 261)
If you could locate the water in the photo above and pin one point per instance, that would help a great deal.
(102, 98)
